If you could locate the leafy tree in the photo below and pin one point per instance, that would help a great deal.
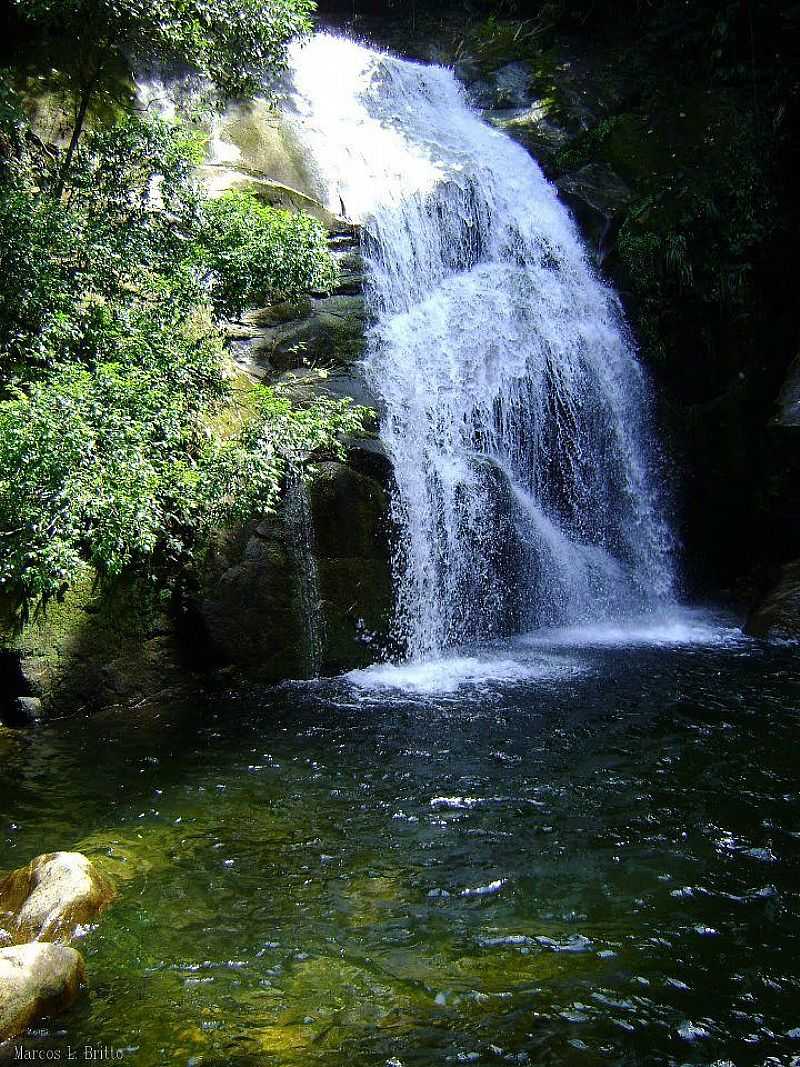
(115, 446)
(232, 42)
(253, 250)
(118, 468)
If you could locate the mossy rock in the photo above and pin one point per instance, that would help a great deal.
(99, 645)
(331, 333)
(250, 603)
(255, 138)
(52, 896)
(36, 980)
(352, 548)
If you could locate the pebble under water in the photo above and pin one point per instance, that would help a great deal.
(589, 855)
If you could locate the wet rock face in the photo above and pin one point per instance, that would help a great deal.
(350, 511)
(778, 613)
(51, 897)
(252, 604)
(36, 980)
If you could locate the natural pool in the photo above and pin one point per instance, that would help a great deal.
(587, 854)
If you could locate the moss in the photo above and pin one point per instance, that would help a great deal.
(96, 646)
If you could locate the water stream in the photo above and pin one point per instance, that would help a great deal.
(514, 409)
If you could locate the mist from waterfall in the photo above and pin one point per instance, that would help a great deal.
(515, 412)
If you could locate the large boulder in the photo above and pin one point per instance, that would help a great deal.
(99, 646)
(778, 613)
(36, 980)
(318, 571)
(51, 897)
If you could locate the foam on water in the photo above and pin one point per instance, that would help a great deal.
(448, 675)
(679, 626)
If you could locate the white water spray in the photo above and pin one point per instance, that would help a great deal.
(514, 409)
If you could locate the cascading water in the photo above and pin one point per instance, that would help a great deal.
(300, 525)
(514, 409)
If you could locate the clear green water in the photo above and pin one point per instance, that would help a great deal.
(298, 876)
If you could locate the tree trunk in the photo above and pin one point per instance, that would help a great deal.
(80, 118)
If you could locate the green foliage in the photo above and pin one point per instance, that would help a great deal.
(233, 42)
(116, 467)
(114, 447)
(83, 272)
(237, 44)
(252, 250)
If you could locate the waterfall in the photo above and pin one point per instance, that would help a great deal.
(513, 406)
(300, 527)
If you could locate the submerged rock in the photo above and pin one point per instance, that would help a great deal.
(51, 897)
(36, 980)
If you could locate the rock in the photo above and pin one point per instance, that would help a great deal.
(598, 199)
(778, 613)
(22, 711)
(507, 87)
(788, 415)
(250, 603)
(512, 85)
(98, 646)
(252, 600)
(36, 980)
(52, 896)
(253, 148)
(535, 129)
(254, 138)
(340, 383)
(323, 331)
(352, 539)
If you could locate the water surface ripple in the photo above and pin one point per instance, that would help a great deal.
(594, 864)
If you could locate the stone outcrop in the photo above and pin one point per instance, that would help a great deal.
(778, 613)
(36, 980)
(252, 604)
(93, 649)
(51, 897)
